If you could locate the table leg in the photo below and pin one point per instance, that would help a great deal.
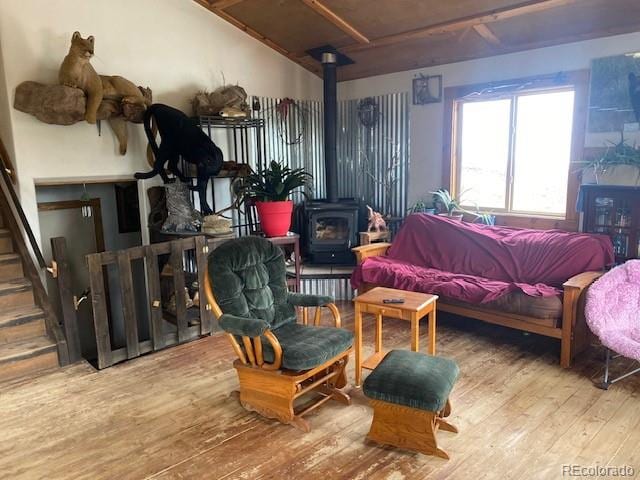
(378, 332)
(298, 259)
(432, 332)
(415, 332)
(358, 343)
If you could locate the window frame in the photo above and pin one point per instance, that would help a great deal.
(455, 97)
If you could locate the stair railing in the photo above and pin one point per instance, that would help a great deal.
(18, 225)
(9, 176)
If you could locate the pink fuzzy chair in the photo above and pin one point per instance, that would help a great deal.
(613, 314)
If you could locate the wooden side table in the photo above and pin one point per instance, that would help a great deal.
(416, 305)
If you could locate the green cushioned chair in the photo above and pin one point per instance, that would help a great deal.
(279, 360)
(409, 392)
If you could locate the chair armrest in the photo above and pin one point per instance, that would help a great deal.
(582, 280)
(243, 326)
(371, 250)
(575, 336)
(305, 300)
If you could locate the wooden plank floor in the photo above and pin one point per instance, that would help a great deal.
(168, 415)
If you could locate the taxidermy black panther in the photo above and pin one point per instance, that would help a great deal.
(634, 94)
(181, 137)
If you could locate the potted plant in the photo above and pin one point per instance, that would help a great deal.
(447, 205)
(618, 165)
(421, 207)
(269, 190)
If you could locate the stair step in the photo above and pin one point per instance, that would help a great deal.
(10, 266)
(6, 244)
(21, 323)
(27, 357)
(15, 293)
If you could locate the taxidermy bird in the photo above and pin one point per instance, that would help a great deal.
(634, 94)
(181, 137)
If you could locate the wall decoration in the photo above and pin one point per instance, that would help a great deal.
(180, 137)
(427, 89)
(226, 101)
(614, 92)
(85, 95)
(181, 216)
(368, 112)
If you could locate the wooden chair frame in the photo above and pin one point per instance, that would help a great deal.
(573, 332)
(270, 390)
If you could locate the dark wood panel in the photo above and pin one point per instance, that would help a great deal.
(409, 34)
(65, 292)
(100, 316)
(289, 23)
(128, 304)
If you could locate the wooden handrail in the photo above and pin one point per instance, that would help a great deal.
(8, 174)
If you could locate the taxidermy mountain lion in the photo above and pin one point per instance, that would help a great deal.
(181, 137)
(77, 72)
(101, 90)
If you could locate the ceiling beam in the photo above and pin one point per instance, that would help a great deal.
(222, 4)
(352, 72)
(309, 64)
(530, 6)
(486, 33)
(337, 20)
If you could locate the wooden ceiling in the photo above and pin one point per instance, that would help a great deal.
(384, 36)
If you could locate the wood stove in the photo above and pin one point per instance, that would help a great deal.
(331, 232)
(331, 225)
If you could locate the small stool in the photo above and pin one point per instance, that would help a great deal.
(409, 393)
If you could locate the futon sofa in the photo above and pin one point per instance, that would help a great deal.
(531, 280)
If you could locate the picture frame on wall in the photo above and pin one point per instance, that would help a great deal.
(614, 98)
(427, 89)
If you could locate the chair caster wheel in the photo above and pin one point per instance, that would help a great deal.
(603, 385)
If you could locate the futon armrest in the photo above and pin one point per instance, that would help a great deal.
(243, 326)
(305, 300)
(581, 281)
(371, 250)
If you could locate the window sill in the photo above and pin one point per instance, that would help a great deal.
(539, 222)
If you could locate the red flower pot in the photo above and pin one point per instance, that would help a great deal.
(275, 217)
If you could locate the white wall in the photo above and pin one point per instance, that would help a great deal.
(427, 120)
(175, 47)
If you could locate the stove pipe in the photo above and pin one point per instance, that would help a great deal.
(329, 64)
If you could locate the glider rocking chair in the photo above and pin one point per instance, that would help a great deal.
(279, 360)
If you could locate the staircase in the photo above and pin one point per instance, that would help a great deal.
(25, 347)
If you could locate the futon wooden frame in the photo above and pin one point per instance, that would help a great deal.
(573, 332)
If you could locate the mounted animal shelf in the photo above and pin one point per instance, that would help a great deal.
(84, 95)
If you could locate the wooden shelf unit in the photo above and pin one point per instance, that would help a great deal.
(614, 211)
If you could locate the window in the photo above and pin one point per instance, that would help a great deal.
(513, 151)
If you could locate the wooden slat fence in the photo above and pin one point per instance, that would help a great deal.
(194, 250)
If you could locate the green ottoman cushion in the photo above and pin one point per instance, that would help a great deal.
(305, 347)
(412, 379)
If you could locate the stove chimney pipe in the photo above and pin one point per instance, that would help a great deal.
(329, 66)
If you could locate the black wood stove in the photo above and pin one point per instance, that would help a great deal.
(331, 225)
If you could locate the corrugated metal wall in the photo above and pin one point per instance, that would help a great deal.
(367, 156)
(295, 138)
(371, 157)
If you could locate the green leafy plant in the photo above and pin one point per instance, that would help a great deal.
(486, 218)
(421, 206)
(445, 202)
(618, 153)
(274, 184)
